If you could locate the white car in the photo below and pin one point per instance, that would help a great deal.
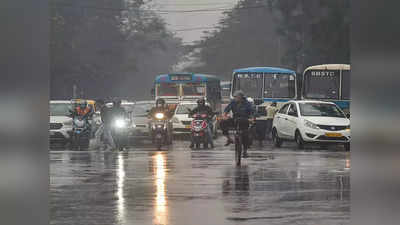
(181, 120)
(60, 125)
(311, 122)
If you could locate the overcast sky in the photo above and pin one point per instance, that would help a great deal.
(192, 20)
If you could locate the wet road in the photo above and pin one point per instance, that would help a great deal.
(200, 187)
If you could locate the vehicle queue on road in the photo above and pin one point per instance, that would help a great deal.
(265, 85)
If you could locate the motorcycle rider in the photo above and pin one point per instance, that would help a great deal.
(203, 108)
(240, 108)
(161, 107)
(82, 109)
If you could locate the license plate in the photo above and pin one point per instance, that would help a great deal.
(333, 134)
(187, 126)
(196, 134)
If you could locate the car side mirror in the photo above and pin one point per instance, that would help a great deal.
(348, 115)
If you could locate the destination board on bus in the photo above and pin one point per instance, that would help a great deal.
(180, 77)
(249, 75)
(324, 73)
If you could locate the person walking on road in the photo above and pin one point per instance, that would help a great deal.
(271, 111)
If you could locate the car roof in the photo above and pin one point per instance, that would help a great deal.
(310, 101)
(187, 103)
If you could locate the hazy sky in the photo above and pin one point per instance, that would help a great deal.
(192, 20)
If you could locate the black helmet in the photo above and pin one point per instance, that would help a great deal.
(160, 101)
(201, 101)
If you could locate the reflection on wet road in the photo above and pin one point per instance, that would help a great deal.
(183, 187)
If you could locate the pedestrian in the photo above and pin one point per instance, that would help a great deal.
(271, 111)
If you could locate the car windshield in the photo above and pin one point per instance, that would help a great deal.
(184, 109)
(167, 89)
(320, 109)
(59, 109)
(141, 109)
(193, 89)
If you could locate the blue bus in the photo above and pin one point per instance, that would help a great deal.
(177, 87)
(265, 84)
(328, 82)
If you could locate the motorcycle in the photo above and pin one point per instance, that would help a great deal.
(199, 129)
(159, 130)
(81, 132)
(119, 132)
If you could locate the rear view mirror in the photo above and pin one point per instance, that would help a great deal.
(292, 113)
(348, 115)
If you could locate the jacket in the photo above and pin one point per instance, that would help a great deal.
(243, 109)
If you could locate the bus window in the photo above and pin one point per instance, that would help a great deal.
(193, 89)
(167, 89)
(279, 86)
(321, 84)
(346, 84)
(250, 84)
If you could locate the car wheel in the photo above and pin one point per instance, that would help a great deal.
(347, 146)
(299, 140)
(275, 138)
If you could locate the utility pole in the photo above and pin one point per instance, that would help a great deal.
(74, 91)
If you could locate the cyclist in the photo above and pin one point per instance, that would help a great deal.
(242, 111)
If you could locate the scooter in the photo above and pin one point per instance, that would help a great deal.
(159, 130)
(80, 133)
(199, 129)
(119, 132)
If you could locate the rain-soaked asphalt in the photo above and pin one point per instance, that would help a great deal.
(200, 187)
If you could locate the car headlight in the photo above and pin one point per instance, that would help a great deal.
(159, 116)
(175, 120)
(310, 124)
(120, 123)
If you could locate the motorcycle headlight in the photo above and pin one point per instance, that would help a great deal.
(310, 125)
(174, 120)
(159, 116)
(120, 123)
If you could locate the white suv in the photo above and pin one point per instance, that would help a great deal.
(60, 125)
(311, 121)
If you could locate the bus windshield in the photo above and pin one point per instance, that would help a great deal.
(346, 84)
(193, 89)
(167, 89)
(321, 84)
(279, 86)
(250, 84)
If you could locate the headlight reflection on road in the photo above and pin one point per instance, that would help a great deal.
(161, 202)
(120, 187)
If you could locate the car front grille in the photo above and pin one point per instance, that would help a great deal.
(186, 122)
(326, 138)
(55, 126)
(332, 128)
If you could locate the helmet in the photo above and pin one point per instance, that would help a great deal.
(251, 100)
(238, 93)
(160, 101)
(201, 101)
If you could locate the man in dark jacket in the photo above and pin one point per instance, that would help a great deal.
(242, 109)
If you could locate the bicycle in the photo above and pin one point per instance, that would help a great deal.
(239, 143)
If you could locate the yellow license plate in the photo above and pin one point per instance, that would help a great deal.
(187, 126)
(333, 134)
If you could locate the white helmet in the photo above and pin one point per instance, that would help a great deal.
(251, 100)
